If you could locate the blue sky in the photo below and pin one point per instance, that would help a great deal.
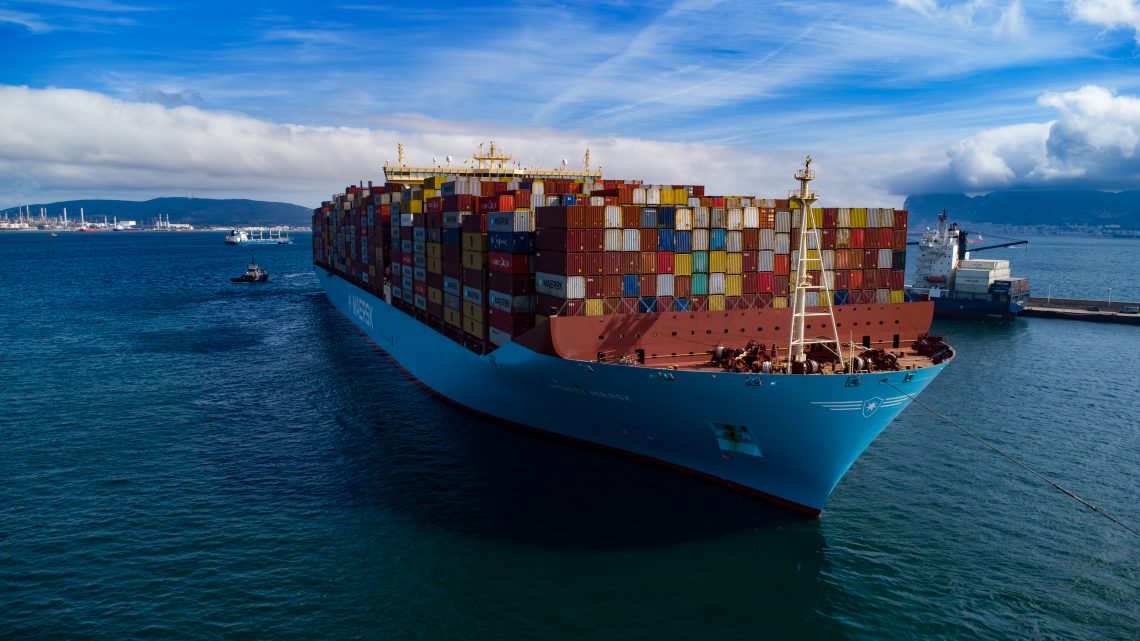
(291, 100)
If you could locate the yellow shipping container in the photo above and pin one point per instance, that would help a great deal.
(858, 217)
(683, 264)
(718, 260)
(733, 285)
(434, 250)
(473, 327)
(430, 193)
(474, 260)
(435, 182)
(897, 296)
(471, 310)
(435, 295)
(681, 196)
(716, 302)
(435, 265)
(595, 307)
(780, 301)
(473, 242)
(453, 317)
(735, 266)
(414, 207)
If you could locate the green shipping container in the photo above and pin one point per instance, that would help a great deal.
(700, 286)
(700, 264)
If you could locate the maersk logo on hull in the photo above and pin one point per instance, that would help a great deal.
(361, 309)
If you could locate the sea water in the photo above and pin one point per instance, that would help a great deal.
(187, 458)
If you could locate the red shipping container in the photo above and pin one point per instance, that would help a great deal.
(594, 240)
(560, 263)
(595, 217)
(842, 279)
(750, 240)
(514, 284)
(870, 278)
(510, 263)
(779, 285)
(435, 280)
(521, 199)
(453, 269)
(435, 309)
(897, 278)
(854, 279)
(459, 202)
(648, 264)
(406, 233)
(630, 214)
(901, 219)
(612, 262)
(870, 258)
(627, 305)
(630, 263)
(474, 278)
(475, 223)
(595, 286)
(783, 264)
(433, 205)
(682, 286)
(419, 287)
(764, 299)
(612, 287)
(856, 238)
(648, 238)
(751, 283)
(513, 324)
(830, 219)
(885, 279)
(828, 236)
(594, 263)
(750, 260)
(898, 241)
(648, 285)
(699, 303)
(664, 262)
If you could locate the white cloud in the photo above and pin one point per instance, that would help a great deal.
(60, 143)
(1094, 143)
(1110, 14)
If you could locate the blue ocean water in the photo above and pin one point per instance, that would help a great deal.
(188, 458)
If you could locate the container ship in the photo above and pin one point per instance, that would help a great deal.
(732, 337)
(961, 287)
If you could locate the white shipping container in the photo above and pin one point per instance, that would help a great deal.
(639, 196)
(828, 259)
(537, 199)
(734, 241)
(767, 261)
(883, 295)
(665, 284)
(497, 336)
(873, 217)
(613, 217)
(700, 240)
(631, 240)
(811, 298)
(828, 279)
(887, 217)
(694, 202)
(735, 220)
(983, 264)
(783, 243)
(767, 239)
(843, 218)
(700, 218)
(716, 283)
(406, 220)
(613, 240)
(684, 219)
(751, 217)
(884, 259)
(576, 287)
(783, 221)
(536, 187)
(652, 196)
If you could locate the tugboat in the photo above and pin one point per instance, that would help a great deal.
(961, 287)
(253, 274)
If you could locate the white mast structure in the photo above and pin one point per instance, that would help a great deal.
(809, 257)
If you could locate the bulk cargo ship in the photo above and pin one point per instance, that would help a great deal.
(961, 287)
(736, 338)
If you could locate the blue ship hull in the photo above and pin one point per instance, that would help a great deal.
(971, 308)
(789, 438)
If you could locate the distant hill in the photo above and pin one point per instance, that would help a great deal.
(1033, 207)
(194, 211)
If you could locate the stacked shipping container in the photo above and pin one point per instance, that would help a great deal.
(485, 260)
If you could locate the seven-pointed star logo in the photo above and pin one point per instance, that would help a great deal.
(871, 405)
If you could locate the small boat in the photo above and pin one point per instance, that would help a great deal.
(253, 274)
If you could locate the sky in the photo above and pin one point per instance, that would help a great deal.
(292, 101)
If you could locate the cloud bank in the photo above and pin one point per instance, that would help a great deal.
(1094, 143)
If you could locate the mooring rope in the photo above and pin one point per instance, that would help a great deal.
(1032, 471)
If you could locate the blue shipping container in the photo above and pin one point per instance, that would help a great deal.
(647, 304)
(680, 304)
(665, 240)
(840, 297)
(666, 217)
(718, 239)
(568, 199)
(630, 287)
(519, 242)
(648, 217)
(683, 242)
(452, 236)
